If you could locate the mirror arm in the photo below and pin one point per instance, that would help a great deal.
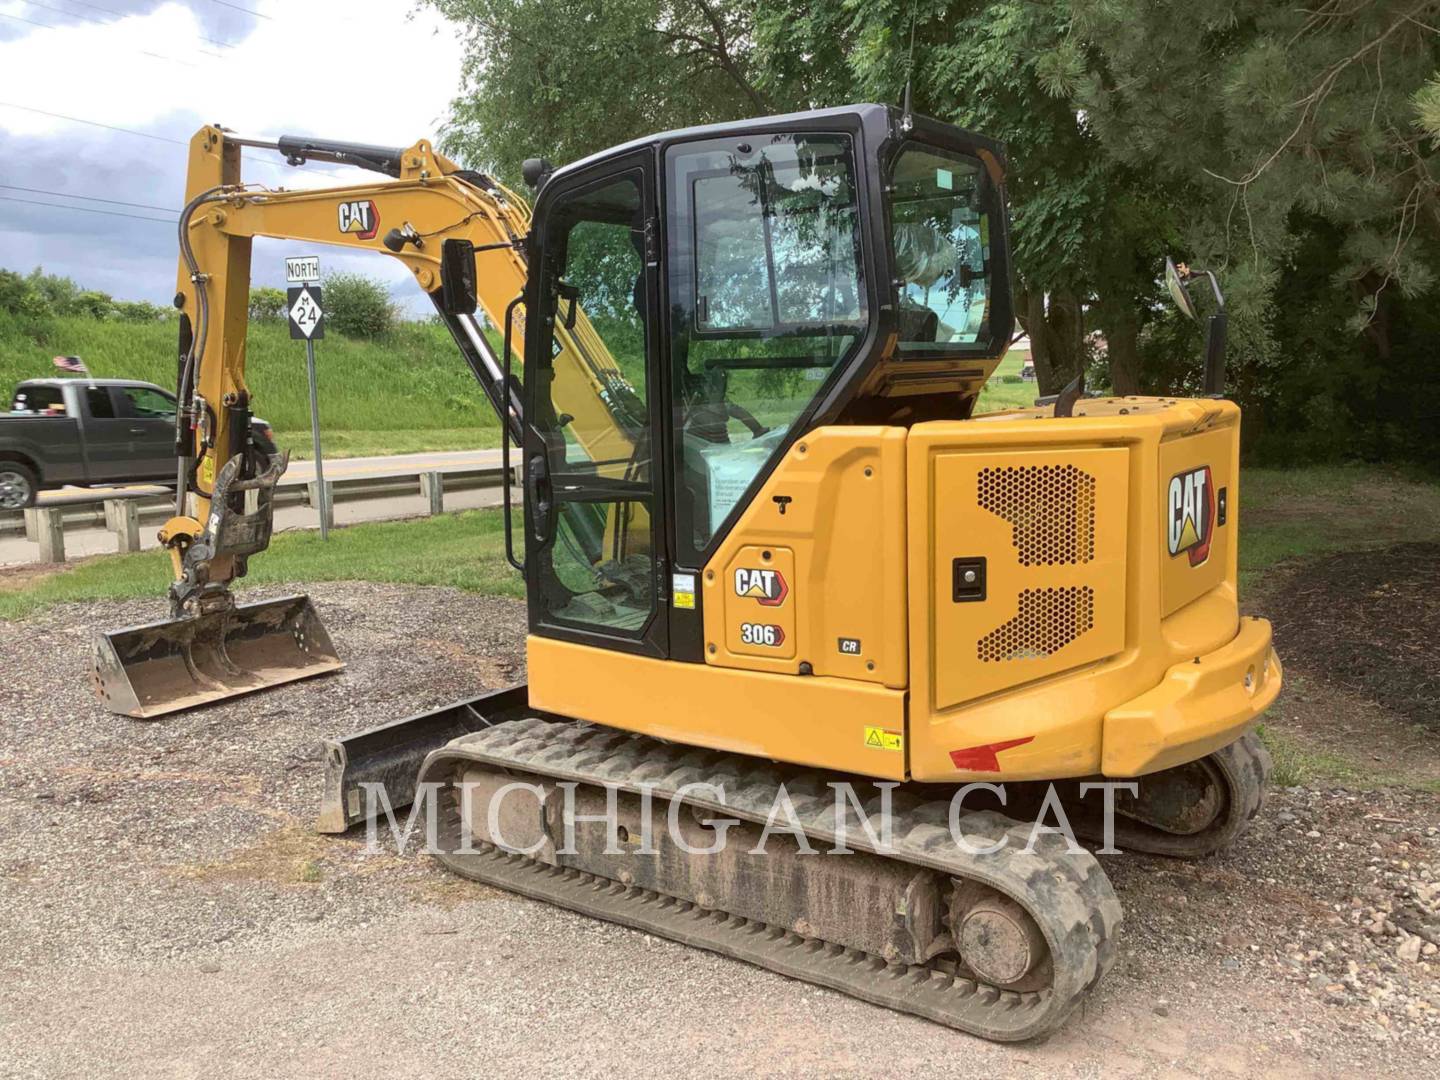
(1215, 328)
(1215, 288)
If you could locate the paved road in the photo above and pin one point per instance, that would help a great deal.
(305, 470)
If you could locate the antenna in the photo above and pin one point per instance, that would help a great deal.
(906, 121)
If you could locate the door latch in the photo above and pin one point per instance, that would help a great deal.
(968, 579)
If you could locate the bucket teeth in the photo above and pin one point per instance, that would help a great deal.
(163, 667)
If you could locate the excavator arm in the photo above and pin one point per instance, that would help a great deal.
(463, 238)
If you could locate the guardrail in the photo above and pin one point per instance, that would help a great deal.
(124, 513)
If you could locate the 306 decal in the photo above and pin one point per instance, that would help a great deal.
(765, 634)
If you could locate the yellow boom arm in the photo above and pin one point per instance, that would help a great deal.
(426, 200)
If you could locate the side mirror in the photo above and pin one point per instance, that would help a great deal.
(534, 171)
(1215, 325)
(457, 277)
(1176, 286)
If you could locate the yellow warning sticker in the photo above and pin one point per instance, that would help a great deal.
(682, 591)
(207, 470)
(880, 739)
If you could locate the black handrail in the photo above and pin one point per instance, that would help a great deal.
(505, 396)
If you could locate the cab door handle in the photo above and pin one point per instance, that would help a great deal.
(542, 505)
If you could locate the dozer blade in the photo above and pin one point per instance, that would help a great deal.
(164, 667)
(391, 754)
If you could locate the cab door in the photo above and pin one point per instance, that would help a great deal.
(593, 503)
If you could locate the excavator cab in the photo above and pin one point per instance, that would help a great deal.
(748, 283)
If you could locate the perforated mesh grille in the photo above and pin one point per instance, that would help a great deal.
(1048, 620)
(1051, 510)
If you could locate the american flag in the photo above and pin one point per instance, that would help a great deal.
(72, 364)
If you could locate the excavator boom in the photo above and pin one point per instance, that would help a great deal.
(462, 236)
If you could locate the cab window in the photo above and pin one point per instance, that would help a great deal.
(38, 399)
(97, 400)
(148, 404)
(767, 298)
(940, 221)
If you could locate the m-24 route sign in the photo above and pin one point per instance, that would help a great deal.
(307, 316)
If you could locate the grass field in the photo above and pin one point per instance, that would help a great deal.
(465, 550)
(999, 395)
(1290, 513)
(405, 392)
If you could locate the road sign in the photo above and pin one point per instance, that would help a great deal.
(307, 316)
(302, 268)
(306, 312)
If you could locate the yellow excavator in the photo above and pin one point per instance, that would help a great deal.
(768, 547)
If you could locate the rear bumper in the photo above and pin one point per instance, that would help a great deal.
(1199, 706)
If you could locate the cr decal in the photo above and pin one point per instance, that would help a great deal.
(1190, 514)
(752, 633)
(766, 586)
(360, 218)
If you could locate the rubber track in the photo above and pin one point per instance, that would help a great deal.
(1245, 767)
(1068, 895)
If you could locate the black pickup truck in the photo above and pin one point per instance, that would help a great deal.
(89, 432)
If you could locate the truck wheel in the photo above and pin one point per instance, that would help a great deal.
(18, 486)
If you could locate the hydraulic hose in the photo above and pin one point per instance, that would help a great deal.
(197, 340)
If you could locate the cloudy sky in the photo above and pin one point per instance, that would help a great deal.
(73, 74)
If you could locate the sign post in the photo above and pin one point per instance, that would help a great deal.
(306, 313)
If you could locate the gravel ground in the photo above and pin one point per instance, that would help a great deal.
(168, 912)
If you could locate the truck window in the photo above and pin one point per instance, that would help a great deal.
(38, 399)
(148, 404)
(97, 399)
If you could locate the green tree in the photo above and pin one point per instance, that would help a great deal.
(639, 68)
(93, 304)
(19, 296)
(1305, 138)
(1240, 134)
(564, 78)
(138, 311)
(267, 304)
(59, 294)
(1088, 232)
(358, 306)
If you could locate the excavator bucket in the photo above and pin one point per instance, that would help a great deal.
(164, 667)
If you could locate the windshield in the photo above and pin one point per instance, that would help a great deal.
(767, 297)
(940, 221)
